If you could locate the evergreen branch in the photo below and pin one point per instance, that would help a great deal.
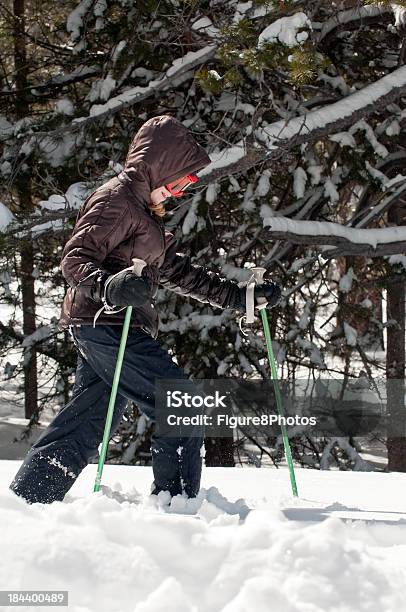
(180, 72)
(278, 138)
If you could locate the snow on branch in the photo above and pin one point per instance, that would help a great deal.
(329, 119)
(57, 82)
(289, 31)
(282, 135)
(309, 127)
(351, 241)
(276, 137)
(177, 73)
(58, 207)
(360, 15)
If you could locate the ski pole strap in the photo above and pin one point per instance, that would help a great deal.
(256, 278)
(138, 266)
(250, 300)
(259, 272)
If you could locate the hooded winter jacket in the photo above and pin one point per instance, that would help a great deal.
(115, 225)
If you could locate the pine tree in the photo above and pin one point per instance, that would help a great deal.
(79, 78)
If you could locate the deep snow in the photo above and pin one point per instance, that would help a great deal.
(130, 555)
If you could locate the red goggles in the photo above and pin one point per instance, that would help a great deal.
(177, 188)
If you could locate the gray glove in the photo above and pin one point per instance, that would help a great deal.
(126, 289)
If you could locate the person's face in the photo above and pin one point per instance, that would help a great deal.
(176, 189)
(159, 195)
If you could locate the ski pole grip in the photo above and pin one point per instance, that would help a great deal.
(259, 274)
(138, 266)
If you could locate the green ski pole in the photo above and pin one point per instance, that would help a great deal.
(281, 412)
(138, 265)
(258, 274)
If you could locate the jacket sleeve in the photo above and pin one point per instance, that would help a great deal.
(178, 274)
(101, 225)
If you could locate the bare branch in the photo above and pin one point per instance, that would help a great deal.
(352, 18)
(57, 82)
(181, 71)
(279, 137)
(350, 241)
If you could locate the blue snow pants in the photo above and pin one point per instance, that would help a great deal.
(72, 439)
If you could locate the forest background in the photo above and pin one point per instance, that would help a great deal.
(301, 107)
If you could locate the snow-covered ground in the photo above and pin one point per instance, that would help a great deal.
(120, 550)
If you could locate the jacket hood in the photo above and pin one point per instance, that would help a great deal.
(162, 151)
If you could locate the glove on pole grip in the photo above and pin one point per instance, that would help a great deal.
(136, 268)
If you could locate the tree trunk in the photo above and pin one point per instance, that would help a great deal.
(30, 355)
(23, 190)
(365, 326)
(395, 369)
